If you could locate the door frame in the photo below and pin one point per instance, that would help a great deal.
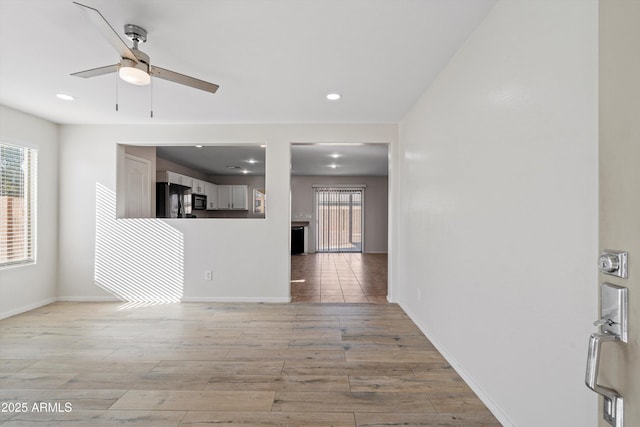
(392, 202)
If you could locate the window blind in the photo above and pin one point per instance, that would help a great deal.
(338, 219)
(17, 204)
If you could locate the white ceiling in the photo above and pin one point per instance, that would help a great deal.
(275, 60)
(306, 159)
(348, 159)
(217, 159)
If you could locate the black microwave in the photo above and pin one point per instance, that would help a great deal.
(198, 202)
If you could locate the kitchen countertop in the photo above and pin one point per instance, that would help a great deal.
(299, 223)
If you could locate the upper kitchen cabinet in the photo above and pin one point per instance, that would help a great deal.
(211, 191)
(174, 178)
(198, 187)
(240, 197)
(233, 197)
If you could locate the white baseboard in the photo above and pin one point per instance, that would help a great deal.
(186, 299)
(495, 410)
(89, 299)
(236, 299)
(26, 308)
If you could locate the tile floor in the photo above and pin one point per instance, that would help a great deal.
(339, 277)
(232, 364)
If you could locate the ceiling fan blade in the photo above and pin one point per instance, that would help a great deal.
(97, 71)
(182, 79)
(107, 31)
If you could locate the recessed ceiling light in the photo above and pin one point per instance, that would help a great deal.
(245, 171)
(333, 96)
(333, 166)
(335, 155)
(65, 97)
(252, 161)
(199, 146)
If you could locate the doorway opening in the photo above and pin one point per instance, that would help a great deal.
(339, 222)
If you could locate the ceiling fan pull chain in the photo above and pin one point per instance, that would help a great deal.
(151, 96)
(116, 91)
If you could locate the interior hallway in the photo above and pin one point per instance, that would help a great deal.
(339, 277)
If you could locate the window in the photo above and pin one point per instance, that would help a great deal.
(17, 204)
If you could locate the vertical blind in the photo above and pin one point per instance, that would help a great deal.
(338, 219)
(17, 204)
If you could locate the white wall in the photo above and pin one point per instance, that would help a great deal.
(168, 165)
(225, 246)
(26, 287)
(497, 240)
(376, 207)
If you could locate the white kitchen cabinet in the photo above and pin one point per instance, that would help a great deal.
(170, 177)
(233, 197)
(198, 187)
(224, 197)
(211, 191)
(239, 197)
(174, 178)
(187, 181)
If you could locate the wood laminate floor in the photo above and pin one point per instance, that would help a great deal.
(198, 364)
(339, 277)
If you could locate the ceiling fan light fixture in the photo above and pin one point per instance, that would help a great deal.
(135, 76)
(134, 73)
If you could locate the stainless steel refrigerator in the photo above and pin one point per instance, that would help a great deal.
(172, 200)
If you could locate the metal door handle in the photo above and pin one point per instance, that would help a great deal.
(604, 321)
(613, 402)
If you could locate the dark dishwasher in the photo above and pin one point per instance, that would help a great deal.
(297, 240)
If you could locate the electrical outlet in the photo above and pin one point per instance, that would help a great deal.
(207, 275)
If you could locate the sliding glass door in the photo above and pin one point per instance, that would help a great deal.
(339, 219)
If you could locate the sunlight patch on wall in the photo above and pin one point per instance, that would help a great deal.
(137, 260)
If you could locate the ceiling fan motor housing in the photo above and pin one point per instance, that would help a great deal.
(136, 33)
(141, 65)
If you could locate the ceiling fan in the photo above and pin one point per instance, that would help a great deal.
(134, 66)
